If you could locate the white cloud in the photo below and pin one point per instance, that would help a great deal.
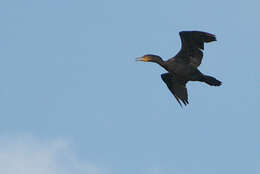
(29, 155)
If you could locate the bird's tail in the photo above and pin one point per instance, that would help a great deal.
(211, 81)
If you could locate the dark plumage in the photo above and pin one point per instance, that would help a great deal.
(184, 66)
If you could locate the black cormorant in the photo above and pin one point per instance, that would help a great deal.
(184, 66)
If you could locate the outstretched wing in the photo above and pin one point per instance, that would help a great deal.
(177, 87)
(192, 46)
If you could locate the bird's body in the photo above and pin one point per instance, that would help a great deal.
(184, 66)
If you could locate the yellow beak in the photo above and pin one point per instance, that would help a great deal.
(144, 59)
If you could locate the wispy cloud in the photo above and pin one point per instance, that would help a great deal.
(29, 155)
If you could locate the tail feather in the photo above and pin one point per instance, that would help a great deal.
(211, 81)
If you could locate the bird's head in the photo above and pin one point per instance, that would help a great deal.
(150, 58)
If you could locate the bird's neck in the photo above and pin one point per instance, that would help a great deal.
(161, 62)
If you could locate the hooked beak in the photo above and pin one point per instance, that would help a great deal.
(144, 59)
(139, 59)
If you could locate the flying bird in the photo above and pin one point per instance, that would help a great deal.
(183, 67)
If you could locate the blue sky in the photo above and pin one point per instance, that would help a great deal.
(69, 77)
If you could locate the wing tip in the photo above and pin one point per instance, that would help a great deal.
(180, 101)
(208, 37)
